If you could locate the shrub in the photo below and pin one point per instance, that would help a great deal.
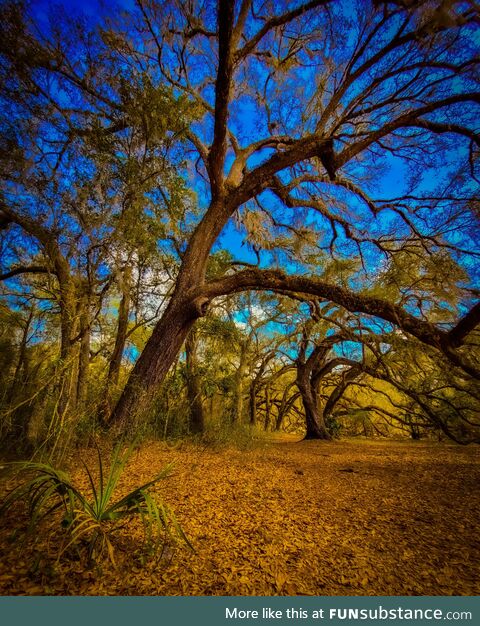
(219, 435)
(92, 517)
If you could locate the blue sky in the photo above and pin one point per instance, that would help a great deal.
(391, 180)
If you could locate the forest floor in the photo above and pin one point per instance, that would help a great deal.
(286, 518)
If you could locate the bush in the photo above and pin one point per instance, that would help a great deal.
(91, 518)
(225, 434)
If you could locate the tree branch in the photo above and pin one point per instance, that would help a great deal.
(466, 324)
(32, 269)
(274, 22)
(222, 94)
(410, 118)
(279, 282)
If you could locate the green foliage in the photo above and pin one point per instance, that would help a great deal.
(223, 434)
(153, 108)
(333, 426)
(218, 263)
(92, 517)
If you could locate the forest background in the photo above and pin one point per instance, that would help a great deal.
(254, 214)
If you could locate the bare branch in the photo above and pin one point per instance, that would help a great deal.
(32, 269)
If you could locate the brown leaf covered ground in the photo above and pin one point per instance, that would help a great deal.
(342, 518)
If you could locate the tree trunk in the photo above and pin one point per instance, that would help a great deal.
(68, 348)
(237, 414)
(348, 377)
(252, 406)
(315, 425)
(18, 380)
(84, 354)
(157, 357)
(268, 409)
(285, 406)
(120, 339)
(19, 390)
(122, 328)
(196, 415)
(314, 422)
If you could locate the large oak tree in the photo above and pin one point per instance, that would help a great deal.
(303, 115)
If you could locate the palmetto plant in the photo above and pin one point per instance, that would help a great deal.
(91, 517)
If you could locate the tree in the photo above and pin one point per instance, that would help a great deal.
(398, 62)
(197, 417)
(82, 212)
(305, 173)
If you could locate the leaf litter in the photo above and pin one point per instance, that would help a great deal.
(286, 518)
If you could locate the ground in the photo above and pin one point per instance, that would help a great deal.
(286, 518)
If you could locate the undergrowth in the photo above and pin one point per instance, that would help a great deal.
(91, 518)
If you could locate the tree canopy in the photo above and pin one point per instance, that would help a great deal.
(285, 190)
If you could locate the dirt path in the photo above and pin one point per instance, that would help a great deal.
(309, 518)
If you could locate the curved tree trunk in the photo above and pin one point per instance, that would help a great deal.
(156, 359)
(314, 422)
(285, 406)
(186, 305)
(347, 379)
(306, 383)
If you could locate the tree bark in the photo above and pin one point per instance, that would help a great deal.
(314, 422)
(194, 390)
(268, 408)
(285, 406)
(122, 328)
(157, 357)
(68, 349)
(348, 377)
(307, 384)
(120, 339)
(252, 404)
(84, 353)
(237, 413)
(18, 379)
